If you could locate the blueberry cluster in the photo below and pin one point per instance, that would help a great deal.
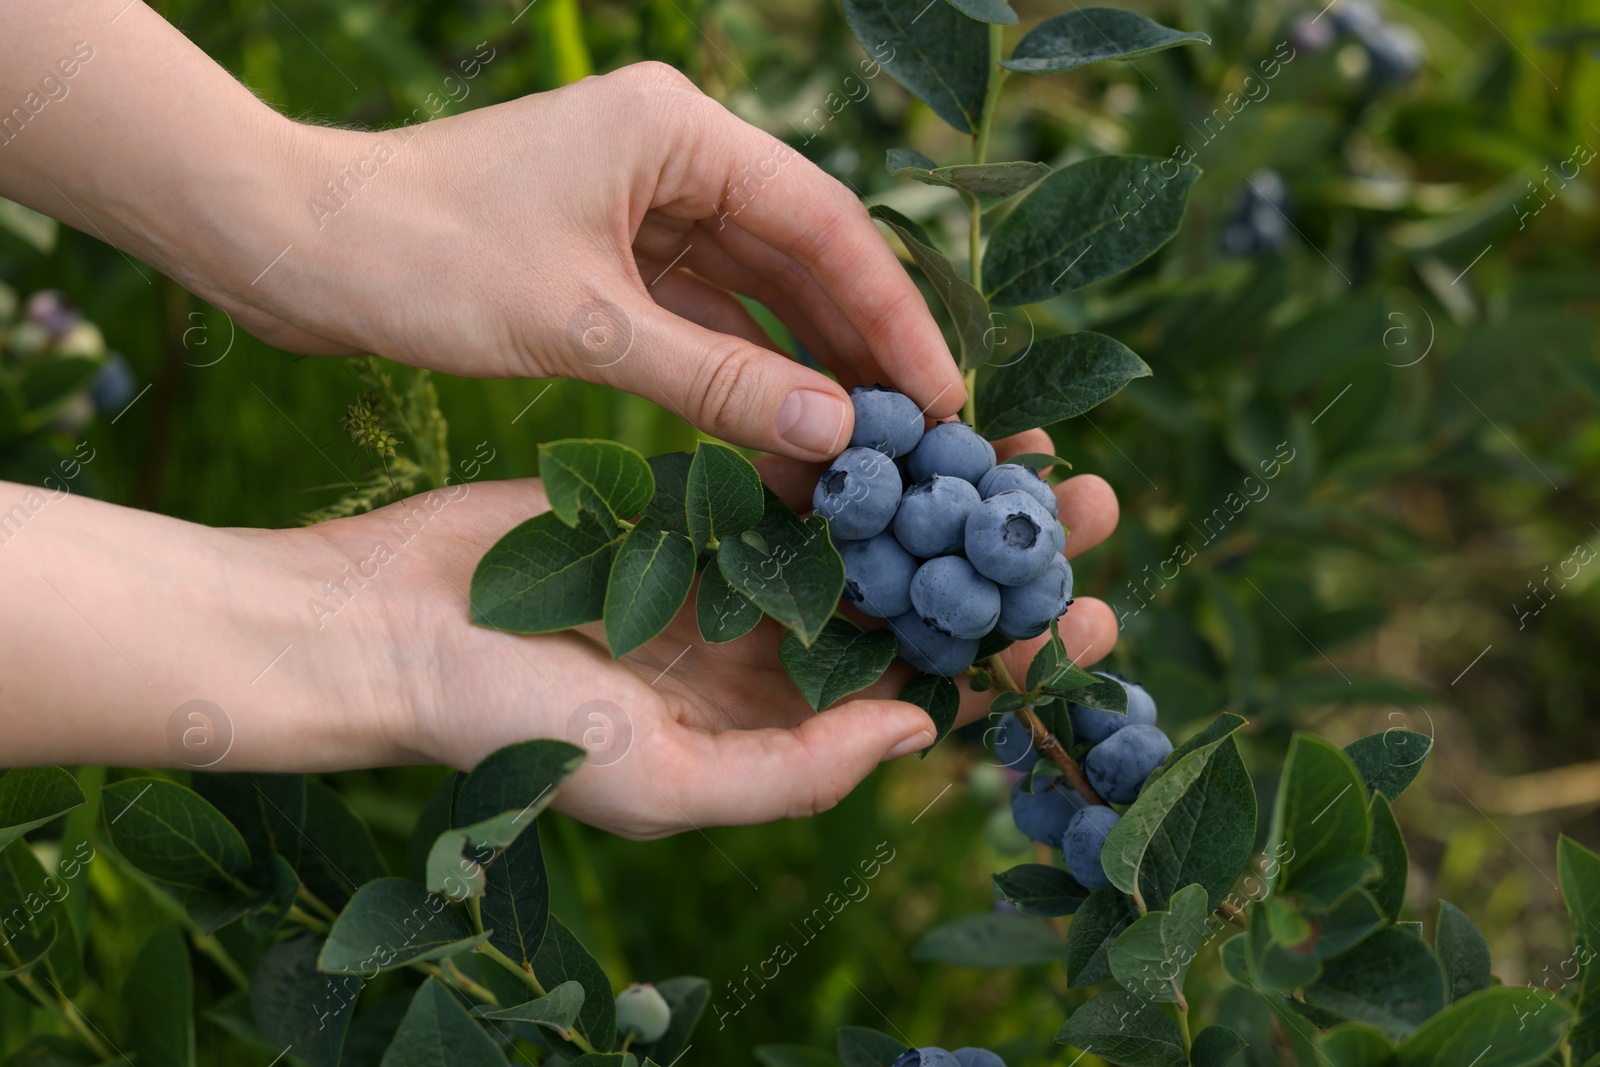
(933, 1056)
(938, 539)
(1117, 753)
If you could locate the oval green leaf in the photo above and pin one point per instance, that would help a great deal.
(600, 476)
(844, 659)
(1059, 378)
(650, 580)
(1085, 223)
(544, 575)
(172, 833)
(935, 51)
(1093, 35)
(392, 922)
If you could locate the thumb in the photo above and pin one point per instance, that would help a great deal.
(730, 388)
(734, 777)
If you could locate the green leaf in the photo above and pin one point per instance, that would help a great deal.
(1041, 461)
(1390, 981)
(968, 311)
(437, 1030)
(557, 1009)
(935, 51)
(1152, 957)
(171, 833)
(1507, 1026)
(390, 923)
(861, 1046)
(562, 958)
(993, 181)
(1091, 35)
(1578, 871)
(721, 611)
(650, 580)
(940, 698)
(990, 939)
(271, 905)
(41, 938)
(1215, 730)
(268, 810)
(298, 1006)
(1462, 952)
(844, 659)
(545, 576)
(1096, 925)
(686, 996)
(601, 476)
(32, 796)
(1389, 849)
(1051, 666)
(158, 993)
(1389, 761)
(1195, 823)
(1215, 1046)
(723, 496)
(1085, 223)
(1105, 694)
(788, 567)
(340, 855)
(1270, 963)
(500, 799)
(1040, 890)
(1355, 1045)
(1060, 377)
(997, 11)
(1320, 815)
(668, 508)
(1125, 1029)
(1347, 924)
(516, 898)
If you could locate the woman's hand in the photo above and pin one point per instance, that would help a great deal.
(597, 231)
(689, 734)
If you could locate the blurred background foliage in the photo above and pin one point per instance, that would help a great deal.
(1414, 328)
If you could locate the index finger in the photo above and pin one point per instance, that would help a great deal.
(794, 206)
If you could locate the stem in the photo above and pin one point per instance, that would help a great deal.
(531, 980)
(1232, 912)
(313, 902)
(306, 919)
(1183, 1016)
(980, 151)
(208, 946)
(626, 1042)
(63, 1008)
(467, 985)
(1043, 739)
(475, 909)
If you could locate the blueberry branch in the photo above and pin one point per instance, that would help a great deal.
(980, 150)
(1045, 741)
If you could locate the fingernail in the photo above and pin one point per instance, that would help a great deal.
(812, 421)
(917, 741)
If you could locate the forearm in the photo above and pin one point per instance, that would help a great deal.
(115, 618)
(117, 124)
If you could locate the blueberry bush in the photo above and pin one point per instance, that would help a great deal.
(244, 918)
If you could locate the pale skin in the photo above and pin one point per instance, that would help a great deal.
(471, 251)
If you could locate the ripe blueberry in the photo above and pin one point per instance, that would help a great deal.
(1009, 476)
(877, 575)
(858, 494)
(887, 421)
(1083, 841)
(930, 651)
(931, 1056)
(113, 386)
(1394, 52)
(1118, 766)
(1043, 815)
(643, 1012)
(952, 448)
(1011, 538)
(1013, 744)
(1026, 610)
(932, 520)
(1094, 726)
(953, 598)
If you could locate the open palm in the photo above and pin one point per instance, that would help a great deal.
(682, 733)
